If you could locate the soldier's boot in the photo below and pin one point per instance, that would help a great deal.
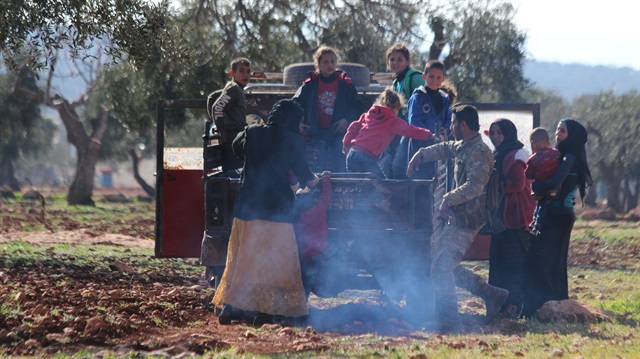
(494, 297)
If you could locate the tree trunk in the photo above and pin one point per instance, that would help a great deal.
(7, 175)
(626, 192)
(88, 148)
(630, 196)
(87, 145)
(592, 196)
(81, 188)
(614, 185)
(435, 50)
(135, 158)
(636, 197)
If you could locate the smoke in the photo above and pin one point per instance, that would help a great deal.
(379, 234)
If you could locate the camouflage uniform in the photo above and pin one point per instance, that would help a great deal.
(473, 165)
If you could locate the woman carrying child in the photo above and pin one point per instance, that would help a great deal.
(262, 277)
(545, 270)
(509, 223)
(330, 103)
(367, 138)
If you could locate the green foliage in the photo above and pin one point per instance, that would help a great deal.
(613, 123)
(24, 131)
(487, 53)
(32, 31)
(553, 107)
(275, 34)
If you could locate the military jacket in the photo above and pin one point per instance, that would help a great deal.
(473, 165)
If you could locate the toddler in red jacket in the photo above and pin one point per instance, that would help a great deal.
(544, 161)
(541, 165)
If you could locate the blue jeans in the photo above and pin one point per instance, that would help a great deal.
(360, 162)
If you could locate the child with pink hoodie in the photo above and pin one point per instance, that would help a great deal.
(367, 138)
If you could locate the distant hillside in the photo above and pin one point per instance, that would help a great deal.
(574, 80)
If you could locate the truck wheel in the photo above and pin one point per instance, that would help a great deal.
(295, 74)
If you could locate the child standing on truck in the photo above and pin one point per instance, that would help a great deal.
(228, 110)
(330, 103)
(429, 107)
(541, 165)
(367, 138)
(405, 81)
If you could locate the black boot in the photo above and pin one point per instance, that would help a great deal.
(228, 313)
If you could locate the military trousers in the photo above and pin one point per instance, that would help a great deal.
(448, 245)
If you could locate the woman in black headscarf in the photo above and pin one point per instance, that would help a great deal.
(262, 276)
(545, 272)
(509, 222)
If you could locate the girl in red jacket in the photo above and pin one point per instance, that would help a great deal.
(367, 138)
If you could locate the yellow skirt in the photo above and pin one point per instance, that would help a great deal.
(263, 270)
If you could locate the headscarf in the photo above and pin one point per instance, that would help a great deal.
(509, 144)
(286, 114)
(575, 145)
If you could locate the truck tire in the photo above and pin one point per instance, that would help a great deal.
(295, 74)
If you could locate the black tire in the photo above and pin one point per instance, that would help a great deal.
(295, 74)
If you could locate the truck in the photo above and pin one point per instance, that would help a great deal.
(374, 248)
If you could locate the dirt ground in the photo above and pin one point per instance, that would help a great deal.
(68, 308)
(166, 313)
(134, 315)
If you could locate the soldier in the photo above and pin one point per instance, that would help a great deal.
(462, 213)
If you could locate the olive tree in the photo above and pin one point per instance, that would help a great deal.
(486, 51)
(35, 33)
(24, 131)
(613, 123)
(276, 33)
(479, 42)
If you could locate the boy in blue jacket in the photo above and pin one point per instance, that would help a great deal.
(429, 108)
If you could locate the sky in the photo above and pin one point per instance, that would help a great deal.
(582, 32)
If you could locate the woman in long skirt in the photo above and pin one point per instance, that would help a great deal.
(262, 278)
(510, 223)
(545, 271)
